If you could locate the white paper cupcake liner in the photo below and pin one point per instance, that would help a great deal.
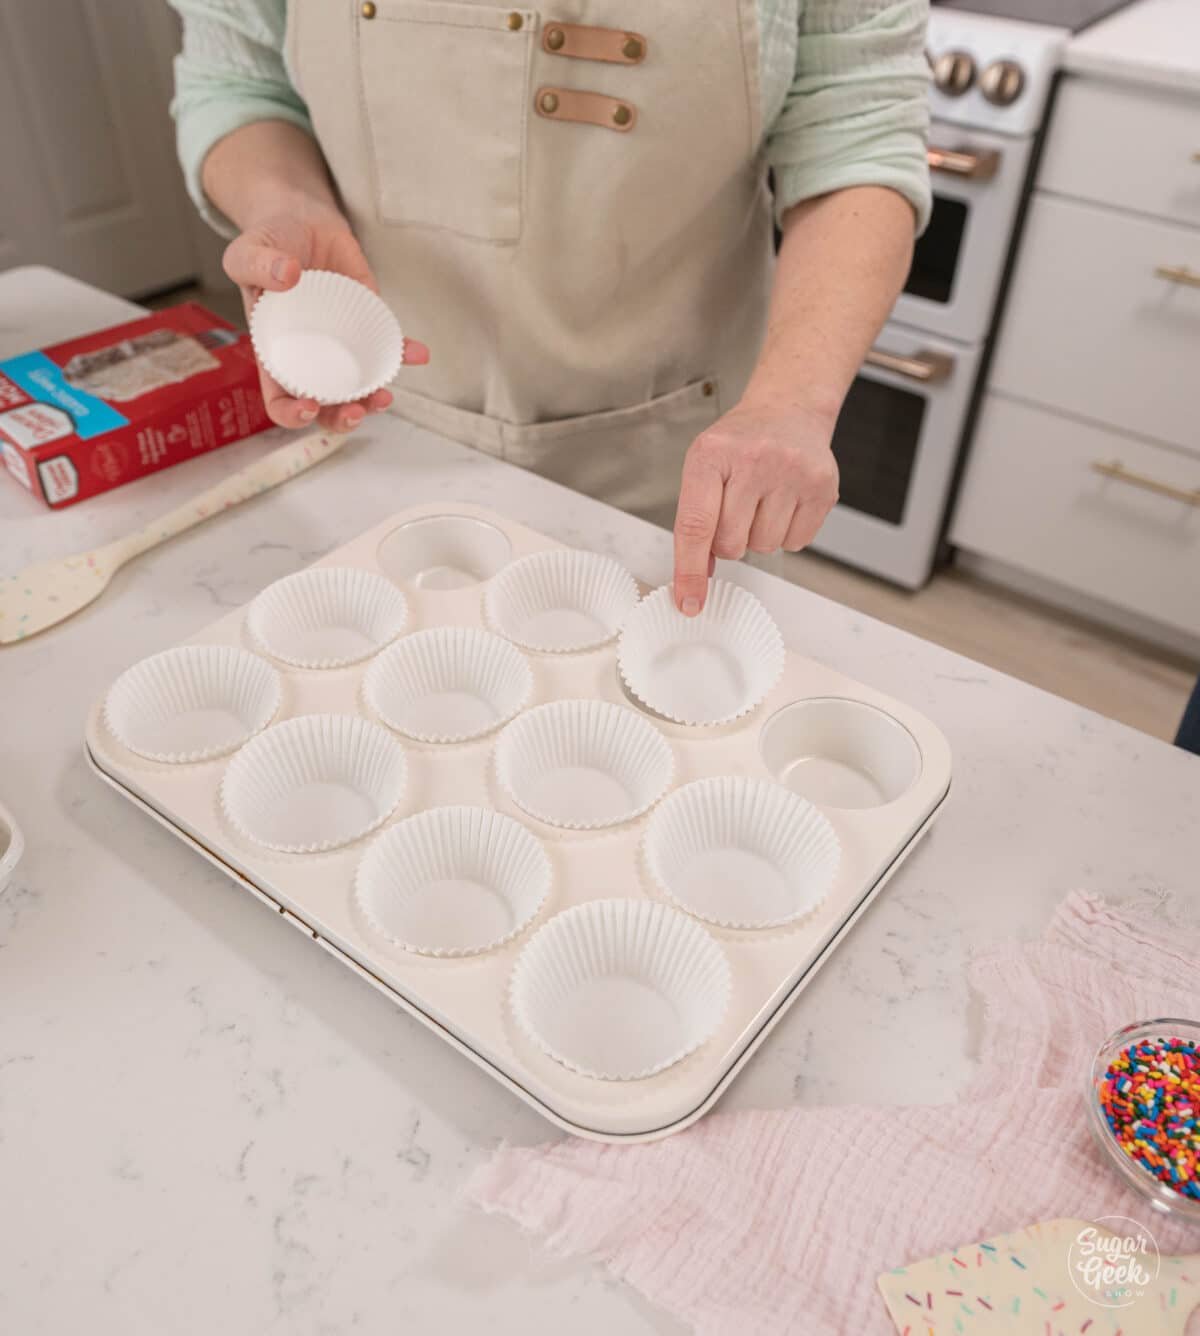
(192, 703)
(561, 600)
(708, 669)
(453, 881)
(620, 989)
(741, 853)
(329, 338)
(327, 617)
(315, 782)
(448, 684)
(583, 764)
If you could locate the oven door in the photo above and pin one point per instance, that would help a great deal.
(977, 183)
(896, 443)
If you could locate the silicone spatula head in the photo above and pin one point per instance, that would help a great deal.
(41, 595)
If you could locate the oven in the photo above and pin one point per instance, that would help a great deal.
(978, 180)
(896, 445)
(904, 425)
(901, 427)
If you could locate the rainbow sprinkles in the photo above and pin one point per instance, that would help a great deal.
(1150, 1098)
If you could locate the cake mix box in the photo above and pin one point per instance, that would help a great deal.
(92, 413)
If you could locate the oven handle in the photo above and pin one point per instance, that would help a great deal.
(925, 366)
(979, 165)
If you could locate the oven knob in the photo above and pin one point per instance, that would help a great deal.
(1002, 82)
(953, 73)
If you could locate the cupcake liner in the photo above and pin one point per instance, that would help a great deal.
(453, 881)
(708, 669)
(583, 764)
(448, 684)
(329, 338)
(192, 703)
(620, 989)
(327, 617)
(741, 853)
(315, 782)
(444, 552)
(561, 600)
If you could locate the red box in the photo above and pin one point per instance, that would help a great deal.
(85, 416)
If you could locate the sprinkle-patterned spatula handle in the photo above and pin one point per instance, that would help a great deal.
(43, 595)
(280, 465)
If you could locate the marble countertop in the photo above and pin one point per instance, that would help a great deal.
(1154, 42)
(207, 1124)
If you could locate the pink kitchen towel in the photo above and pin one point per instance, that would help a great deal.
(780, 1221)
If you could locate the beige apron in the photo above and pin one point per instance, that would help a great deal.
(574, 218)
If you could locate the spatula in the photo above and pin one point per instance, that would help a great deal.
(1021, 1283)
(43, 595)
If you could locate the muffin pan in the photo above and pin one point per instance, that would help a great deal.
(604, 908)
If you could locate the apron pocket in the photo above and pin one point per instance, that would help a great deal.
(630, 457)
(445, 97)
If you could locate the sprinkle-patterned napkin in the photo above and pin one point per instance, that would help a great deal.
(1053, 1278)
(779, 1222)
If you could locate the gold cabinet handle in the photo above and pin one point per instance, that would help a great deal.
(923, 366)
(1196, 156)
(1113, 468)
(977, 166)
(1178, 273)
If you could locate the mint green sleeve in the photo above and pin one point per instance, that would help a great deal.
(229, 73)
(857, 111)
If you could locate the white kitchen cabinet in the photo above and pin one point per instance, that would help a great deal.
(1093, 327)
(1130, 148)
(87, 158)
(1082, 482)
(1114, 517)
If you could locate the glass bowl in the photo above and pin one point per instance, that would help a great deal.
(1158, 1194)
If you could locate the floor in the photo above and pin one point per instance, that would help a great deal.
(1118, 677)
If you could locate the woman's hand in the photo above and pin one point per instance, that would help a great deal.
(762, 477)
(270, 256)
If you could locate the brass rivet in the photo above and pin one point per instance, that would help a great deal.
(368, 9)
(622, 116)
(516, 21)
(555, 39)
(550, 102)
(632, 49)
(709, 389)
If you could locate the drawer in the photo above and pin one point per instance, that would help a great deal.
(1135, 148)
(1032, 497)
(1091, 328)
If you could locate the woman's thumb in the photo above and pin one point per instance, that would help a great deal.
(252, 263)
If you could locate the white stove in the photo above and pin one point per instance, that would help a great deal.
(902, 431)
(991, 85)
(991, 73)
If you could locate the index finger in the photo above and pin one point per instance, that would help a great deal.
(696, 516)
